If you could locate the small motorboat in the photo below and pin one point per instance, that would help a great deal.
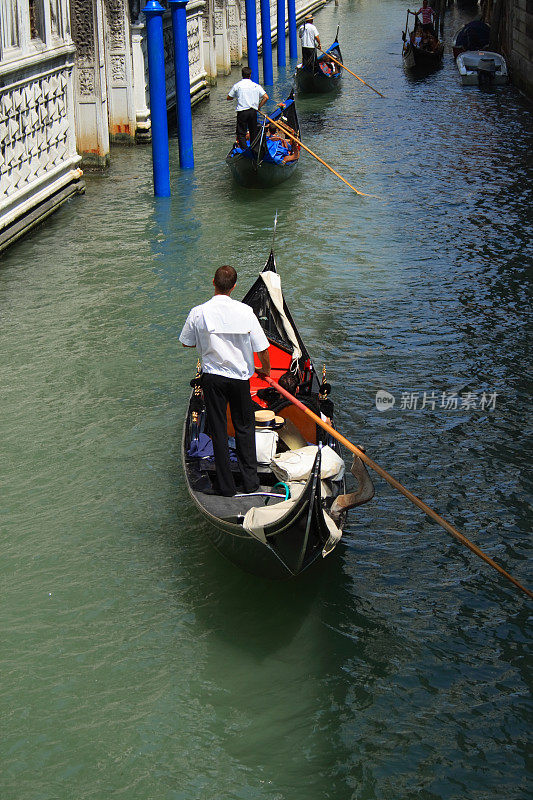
(268, 161)
(289, 524)
(421, 49)
(324, 76)
(474, 35)
(482, 68)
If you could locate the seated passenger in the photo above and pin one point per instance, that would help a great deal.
(328, 66)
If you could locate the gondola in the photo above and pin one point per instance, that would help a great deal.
(262, 164)
(284, 528)
(323, 76)
(419, 57)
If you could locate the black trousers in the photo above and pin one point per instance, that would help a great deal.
(246, 121)
(218, 392)
(308, 57)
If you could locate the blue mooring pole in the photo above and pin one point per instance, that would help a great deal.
(178, 10)
(153, 12)
(282, 59)
(251, 39)
(268, 71)
(293, 41)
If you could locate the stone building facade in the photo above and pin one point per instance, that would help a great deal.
(39, 164)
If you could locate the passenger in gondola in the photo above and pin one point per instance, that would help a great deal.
(328, 66)
(250, 98)
(227, 334)
(310, 37)
(428, 42)
(275, 135)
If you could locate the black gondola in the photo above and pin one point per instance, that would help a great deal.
(416, 55)
(323, 75)
(306, 527)
(263, 165)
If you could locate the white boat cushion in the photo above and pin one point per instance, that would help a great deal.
(258, 517)
(296, 465)
(266, 441)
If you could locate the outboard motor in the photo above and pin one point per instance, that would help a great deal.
(486, 70)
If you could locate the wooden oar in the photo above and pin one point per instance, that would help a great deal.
(350, 71)
(290, 133)
(397, 485)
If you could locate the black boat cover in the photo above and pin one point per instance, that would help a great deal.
(473, 36)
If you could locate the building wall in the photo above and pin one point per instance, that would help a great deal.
(521, 45)
(39, 165)
(511, 24)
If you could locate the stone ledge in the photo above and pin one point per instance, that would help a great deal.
(39, 213)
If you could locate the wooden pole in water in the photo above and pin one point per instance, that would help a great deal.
(398, 486)
(336, 60)
(290, 133)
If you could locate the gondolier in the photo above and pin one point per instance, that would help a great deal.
(309, 35)
(250, 98)
(228, 333)
(428, 16)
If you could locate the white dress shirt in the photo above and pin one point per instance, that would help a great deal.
(248, 94)
(227, 333)
(308, 33)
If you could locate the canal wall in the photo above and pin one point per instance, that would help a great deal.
(39, 163)
(511, 24)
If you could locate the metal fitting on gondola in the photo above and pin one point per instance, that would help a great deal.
(326, 405)
(196, 399)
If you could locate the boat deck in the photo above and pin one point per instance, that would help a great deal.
(231, 507)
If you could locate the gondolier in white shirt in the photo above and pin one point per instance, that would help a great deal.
(309, 35)
(250, 98)
(227, 334)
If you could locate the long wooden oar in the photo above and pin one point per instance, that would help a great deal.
(397, 485)
(290, 133)
(350, 71)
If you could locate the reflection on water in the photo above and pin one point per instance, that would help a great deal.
(136, 661)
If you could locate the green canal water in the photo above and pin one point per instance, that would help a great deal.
(135, 662)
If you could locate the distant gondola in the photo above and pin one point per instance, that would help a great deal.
(417, 56)
(324, 76)
(265, 163)
(267, 533)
